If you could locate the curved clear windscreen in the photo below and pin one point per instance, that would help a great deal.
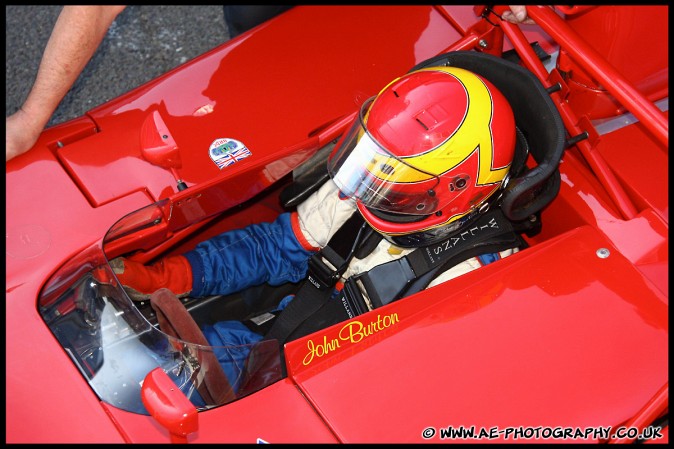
(115, 347)
(115, 344)
(365, 170)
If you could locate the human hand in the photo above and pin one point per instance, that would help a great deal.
(21, 133)
(517, 15)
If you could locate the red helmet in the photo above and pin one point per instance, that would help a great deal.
(426, 154)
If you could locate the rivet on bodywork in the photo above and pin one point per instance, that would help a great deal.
(603, 253)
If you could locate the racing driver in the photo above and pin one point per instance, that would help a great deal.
(425, 159)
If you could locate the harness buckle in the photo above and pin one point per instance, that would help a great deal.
(376, 288)
(387, 282)
(353, 299)
(325, 268)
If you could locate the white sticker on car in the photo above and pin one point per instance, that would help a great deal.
(225, 152)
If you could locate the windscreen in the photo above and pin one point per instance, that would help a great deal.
(115, 346)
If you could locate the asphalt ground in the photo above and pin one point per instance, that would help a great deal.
(142, 43)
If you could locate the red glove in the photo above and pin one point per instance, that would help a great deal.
(140, 281)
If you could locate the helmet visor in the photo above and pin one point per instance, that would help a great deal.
(364, 169)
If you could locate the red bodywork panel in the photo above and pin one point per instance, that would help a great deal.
(569, 364)
(553, 336)
(276, 83)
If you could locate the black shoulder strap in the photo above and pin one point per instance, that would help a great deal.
(488, 228)
(491, 232)
(325, 269)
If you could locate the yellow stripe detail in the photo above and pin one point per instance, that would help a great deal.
(474, 134)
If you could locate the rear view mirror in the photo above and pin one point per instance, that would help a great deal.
(169, 406)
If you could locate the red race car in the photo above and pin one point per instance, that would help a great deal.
(565, 340)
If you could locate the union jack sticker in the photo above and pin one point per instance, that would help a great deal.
(225, 152)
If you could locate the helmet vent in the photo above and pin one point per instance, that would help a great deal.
(386, 169)
(422, 124)
(458, 183)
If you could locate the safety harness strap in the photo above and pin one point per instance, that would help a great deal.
(490, 233)
(309, 310)
(490, 225)
(307, 301)
(325, 269)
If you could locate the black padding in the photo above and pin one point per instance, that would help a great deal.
(303, 187)
(535, 115)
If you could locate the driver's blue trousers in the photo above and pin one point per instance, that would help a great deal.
(238, 259)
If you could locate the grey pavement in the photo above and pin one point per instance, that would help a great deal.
(142, 43)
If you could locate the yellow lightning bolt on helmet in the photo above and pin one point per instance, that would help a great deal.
(426, 153)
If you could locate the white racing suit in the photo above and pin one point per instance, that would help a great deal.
(322, 214)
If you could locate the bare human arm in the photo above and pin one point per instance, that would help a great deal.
(78, 32)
